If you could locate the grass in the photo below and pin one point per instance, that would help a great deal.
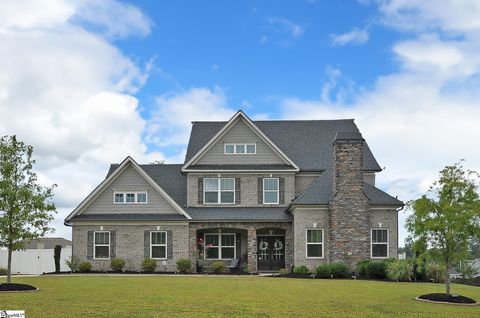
(227, 296)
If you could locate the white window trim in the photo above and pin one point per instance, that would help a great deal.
(166, 244)
(239, 153)
(220, 246)
(95, 245)
(307, 243)
(129, 192)
(278, 191)
(387, 243)
(219, 191)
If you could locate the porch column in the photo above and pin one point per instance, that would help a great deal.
(288, 246)
(193, 247)
(252, 250)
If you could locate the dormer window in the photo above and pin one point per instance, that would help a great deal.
(130, 197)
(240, 149)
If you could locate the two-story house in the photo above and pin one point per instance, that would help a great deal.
(270, 193)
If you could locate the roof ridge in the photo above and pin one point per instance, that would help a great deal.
(278, 120)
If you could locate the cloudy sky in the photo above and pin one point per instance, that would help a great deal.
(88, 82)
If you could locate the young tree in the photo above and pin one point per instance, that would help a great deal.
(448, 216)
(26, 207)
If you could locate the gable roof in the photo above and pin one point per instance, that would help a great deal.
(307, 142)
(112, 175)
(224, 129)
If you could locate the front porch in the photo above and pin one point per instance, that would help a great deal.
(266, 246)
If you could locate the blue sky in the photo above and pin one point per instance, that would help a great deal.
(90, 82)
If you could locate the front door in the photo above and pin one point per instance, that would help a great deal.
(271, 253)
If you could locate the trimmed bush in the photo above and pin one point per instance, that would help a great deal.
(117, 264)
(85, 267)
(183, 265)
(339, 270)
(362, 267)
(323, 271)
(56, 256)
(73, 262)
(219, 267)
(301, 270)
(377, 269)
(3, 271)
(149, 265)
(435, 272)
(400, 270)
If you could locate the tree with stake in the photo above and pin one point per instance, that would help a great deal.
(448, 216)
(26, 207)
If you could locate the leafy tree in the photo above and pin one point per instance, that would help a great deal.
(26, 207)
(447, 217)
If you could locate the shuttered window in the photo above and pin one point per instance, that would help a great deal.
(219, 190)
(158, 245)
(101, 246)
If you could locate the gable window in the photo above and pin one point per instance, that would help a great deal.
(130, 197)
(101, 246)
(220, 246)
(241, 149)
(270, 191)
(158, 245)
(379, 243)
(314, 244)
(219, 190)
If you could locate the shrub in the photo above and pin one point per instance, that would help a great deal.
(183, 265)
(377, 269)
(323, 271)
(56, 256)
(117, 264)
(73, 262)
(3, 271)
(435, 272)
(400, 270)
(85, 267)
(339, 270)
(362, 267)
(283, 271)
(301, 270)
(149, 265)
(219, 267)
(245, 268)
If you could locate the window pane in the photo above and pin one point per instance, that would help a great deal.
(314, 250)
(159, 251)
(379, 236)
(228, 240)
(229, 149)
(119, 197)
(211, 197)
(227, 197)
(210, 184)
(270, 184)
(251, 148)
(271, 197)
(142, 197)
(130, 197)
(101, 251)
(211, 240)
(227, 184)
(158, 238)
(314, 236)
(228, 252)
(240, 148)
(102, 238)
(212, 252)
(379, 250)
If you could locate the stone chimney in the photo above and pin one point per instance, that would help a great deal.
(349, 207)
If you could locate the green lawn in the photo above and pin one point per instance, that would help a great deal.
(166, 296)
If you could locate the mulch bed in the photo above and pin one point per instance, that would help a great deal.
(295, 275)
(450, 299)
(16, 287)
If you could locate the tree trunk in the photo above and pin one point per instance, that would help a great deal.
(447, 280)
(9, 266)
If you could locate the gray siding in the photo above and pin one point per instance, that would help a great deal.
(248, 186)
(369, 178)
(130, 180)
(302, 182)
(240, 133)
(389, 220)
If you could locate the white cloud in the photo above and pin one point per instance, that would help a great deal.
(355, 37)
(282, 31)
(66, 91)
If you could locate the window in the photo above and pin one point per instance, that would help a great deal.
(158, 245)
(101, 246)
(379, 247)
(314, 243)
(130, 197)
(270, 191)
(220, 246)
(219, 190)
(240, 149)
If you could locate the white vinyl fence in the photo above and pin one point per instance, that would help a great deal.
(36, 261)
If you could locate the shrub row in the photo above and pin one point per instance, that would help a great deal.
(118, 265)
(331, 270)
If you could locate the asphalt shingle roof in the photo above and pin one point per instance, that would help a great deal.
(240, 214)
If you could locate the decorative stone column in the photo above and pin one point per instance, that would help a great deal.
(193, 247)
(288, 246)
(252, 250)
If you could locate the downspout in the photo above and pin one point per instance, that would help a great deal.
(398, 210)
